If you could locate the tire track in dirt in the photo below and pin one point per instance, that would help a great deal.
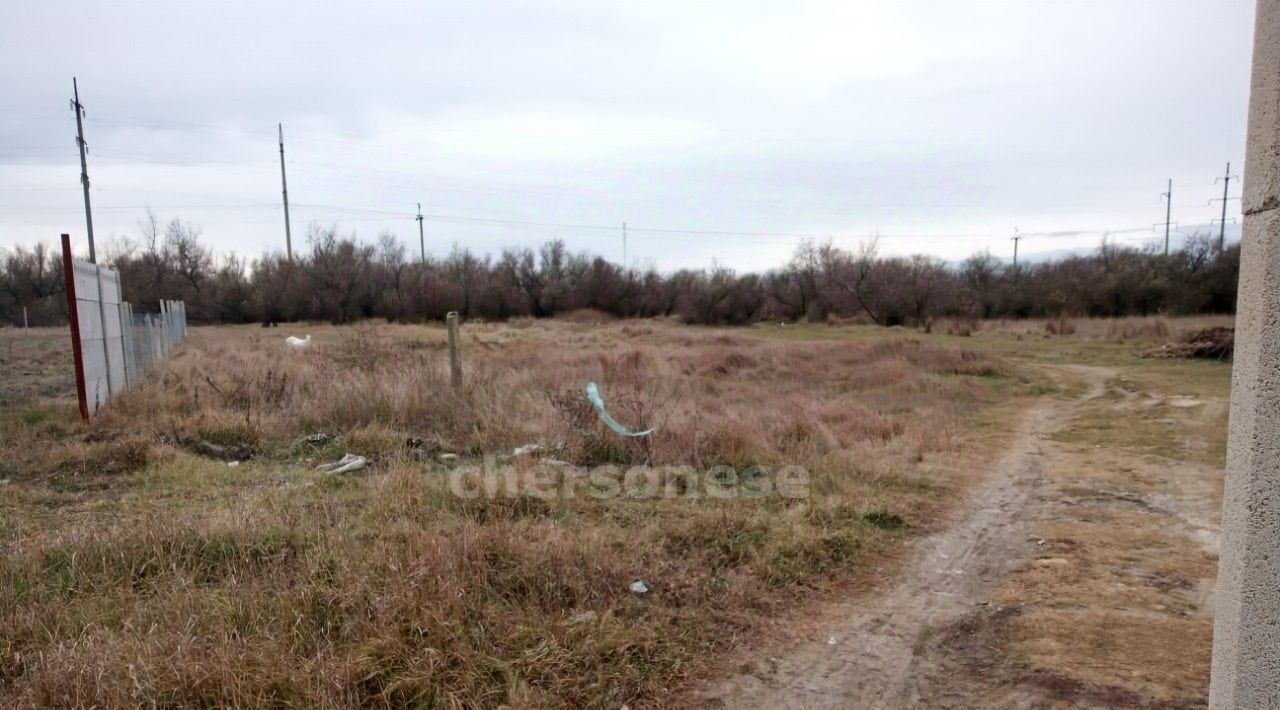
(877, 653)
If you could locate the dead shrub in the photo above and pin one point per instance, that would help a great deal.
(733, 363)
(1127, 330)
(1060, 326)
(587, 316)
(846, 321)
(87, 463)
(809, 556)
(1211, 343)
(485, 509)
(885, 520)
(961, 326)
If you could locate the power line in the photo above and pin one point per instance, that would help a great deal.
(146, 207)
(359, 210)
(184, 162)
(607, 228)
(174, 125)
(532, 223)
(168, 125)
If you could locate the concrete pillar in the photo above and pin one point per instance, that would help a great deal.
(1246, 635)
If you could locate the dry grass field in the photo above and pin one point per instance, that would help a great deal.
(140, 566)
(1129, 330)
(183, 551)
(35, 368)
(1080, 575)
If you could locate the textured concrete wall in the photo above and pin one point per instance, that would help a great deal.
(1246, 639)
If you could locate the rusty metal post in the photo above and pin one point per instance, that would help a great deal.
(73, 315)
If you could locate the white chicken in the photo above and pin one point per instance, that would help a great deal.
(298, 343)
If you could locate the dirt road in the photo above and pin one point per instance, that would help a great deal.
(1016, 603)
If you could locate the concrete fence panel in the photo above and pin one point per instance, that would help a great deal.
(113, 347)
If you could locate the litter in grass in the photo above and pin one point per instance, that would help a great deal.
(526, 449)
(317, 439)
(347, 464)
(593, 395)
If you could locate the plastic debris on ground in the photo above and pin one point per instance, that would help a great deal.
(346, 464)
(317, 439)
(597, 402)
(526, 449)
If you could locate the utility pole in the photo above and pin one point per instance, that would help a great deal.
(624, 246)
(1222, 227)
(422, 241)
(1015, 238)
(284, 191)
(1168, 214)
(84, 165)
(88, 220)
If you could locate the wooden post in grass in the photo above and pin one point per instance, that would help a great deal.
(1246, 633)
(455, 355)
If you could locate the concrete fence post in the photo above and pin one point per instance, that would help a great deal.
(455, 355)
(1246, 634)
(167, 320)
(122, 312)
(157, 345)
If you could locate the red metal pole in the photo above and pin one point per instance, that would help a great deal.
(69, 279)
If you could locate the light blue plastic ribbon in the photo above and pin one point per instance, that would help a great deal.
(593, 395)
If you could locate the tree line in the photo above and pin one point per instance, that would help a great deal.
(342, 279)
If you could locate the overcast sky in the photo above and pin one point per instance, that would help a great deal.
(941, 125)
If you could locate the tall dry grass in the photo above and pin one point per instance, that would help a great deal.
(1144, 330)
(139, 568)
